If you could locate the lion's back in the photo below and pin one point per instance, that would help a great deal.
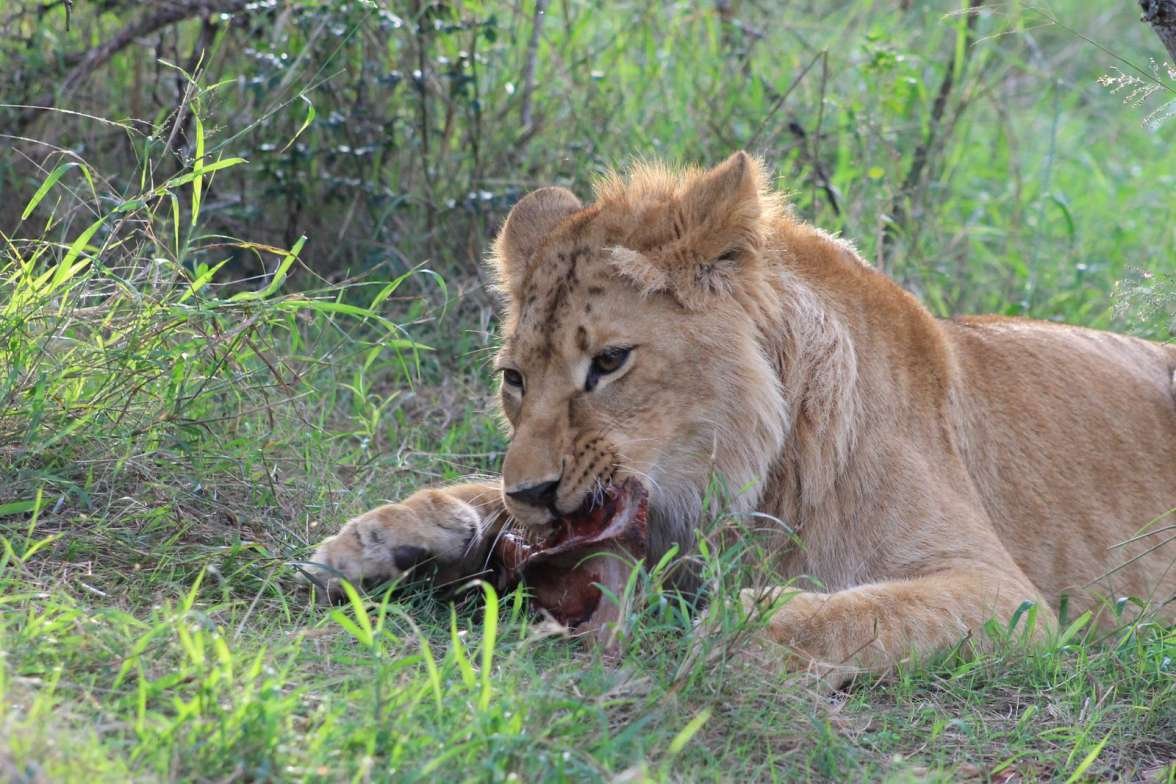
(1070, 436)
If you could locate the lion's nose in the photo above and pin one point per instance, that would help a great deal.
(541, 494)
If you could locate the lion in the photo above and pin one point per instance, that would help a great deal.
(934, 474)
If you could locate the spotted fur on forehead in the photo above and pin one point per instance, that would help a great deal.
(568, 275)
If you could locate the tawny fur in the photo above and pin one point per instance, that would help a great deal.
(936, 473)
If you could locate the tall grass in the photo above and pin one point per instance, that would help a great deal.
(141, 393)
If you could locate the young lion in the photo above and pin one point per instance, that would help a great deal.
(937, 473)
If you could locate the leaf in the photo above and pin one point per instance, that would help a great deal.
(961, 41)
(278, 279)
(1027, 606)
(459, 654)
(489, 635)
(175, 203)
(1074, 628)
(49, 182)
(66, 268)
(198, 171)
(184, 179)
(325, 306)
(431, 669)
(1088, 760)
(310, 115)
(33, 547)
(202, 280)
(190, 599)
(361, 631)
(17, 508)
(130, 206)
(689, 731)
(426, 655)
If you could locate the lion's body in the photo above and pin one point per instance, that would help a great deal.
(937, 473)
(1071, 443)
(1061, 439)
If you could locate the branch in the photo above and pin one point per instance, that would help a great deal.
(1161, 15)
(162, 15)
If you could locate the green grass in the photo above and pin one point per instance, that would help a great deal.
(174, 431)
(233, 679)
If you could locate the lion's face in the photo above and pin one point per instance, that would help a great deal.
(605, 377)
(599, 383)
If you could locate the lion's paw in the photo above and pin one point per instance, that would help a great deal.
(430, 529)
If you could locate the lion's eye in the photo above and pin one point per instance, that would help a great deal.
(608, 361)
(512, 378)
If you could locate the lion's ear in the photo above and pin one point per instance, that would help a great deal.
(722, 213)
(530, 221)
(727, 196)
(699, 238)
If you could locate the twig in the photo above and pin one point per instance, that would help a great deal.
(820, 176)
(422, 85)
(528, 75)
(192, 73)
(181, 113)
(778, 102)
(475, 228)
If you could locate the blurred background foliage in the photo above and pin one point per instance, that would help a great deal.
(967, 148)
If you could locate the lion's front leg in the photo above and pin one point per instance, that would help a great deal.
(873, 627)
(445, 530)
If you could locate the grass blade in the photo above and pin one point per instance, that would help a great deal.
(310, 115)
(279, 276)
(184, 179)
(489, 637)
(49, 182)
(689, 731)
(65, 268)
(361, 628)
(17, 508)
(1088, 760)
(198, 171)
(459, 651)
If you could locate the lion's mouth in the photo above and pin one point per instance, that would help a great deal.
(585, 551)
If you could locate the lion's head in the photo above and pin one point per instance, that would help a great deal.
(634, 342)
